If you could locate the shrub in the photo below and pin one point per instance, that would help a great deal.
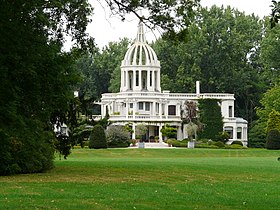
(237, 142)
(273, 139)
(97, 139)
(205, 145)
(26, 150)
(177, 143)
(222, 136)
(169, 132)
(219, 144)
(117, 136)
(235, 146)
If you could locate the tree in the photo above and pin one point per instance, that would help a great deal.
(97, 139)
(275, 15)
(169, 131)
(220, 49)
(269, 102)
(273, 139)
(170, 16)
(269, 52)
(117, 136)
(37, 76)
(140, 131)
(211, 118)
(273, 121)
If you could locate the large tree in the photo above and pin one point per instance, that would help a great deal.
(221, 49)
(36, 75)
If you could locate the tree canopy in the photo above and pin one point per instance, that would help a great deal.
(36, 75)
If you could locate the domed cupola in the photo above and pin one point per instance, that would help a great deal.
(140, 69)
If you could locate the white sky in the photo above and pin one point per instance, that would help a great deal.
(106, 28)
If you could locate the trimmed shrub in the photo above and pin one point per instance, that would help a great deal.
(97, 139)
(211, 117)
(273, 139)
(235, 146)
(237, 142)
(204, 145)
(219, 144)
(117, 136)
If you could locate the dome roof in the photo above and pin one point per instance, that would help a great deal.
(140, 53)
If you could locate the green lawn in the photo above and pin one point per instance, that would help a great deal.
(150, 179)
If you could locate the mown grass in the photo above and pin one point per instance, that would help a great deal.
(150, 179)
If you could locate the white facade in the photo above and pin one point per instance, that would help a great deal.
(141, 101)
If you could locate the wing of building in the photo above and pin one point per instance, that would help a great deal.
(141, 101)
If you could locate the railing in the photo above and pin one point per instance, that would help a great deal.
(167, 95)
(144, 117)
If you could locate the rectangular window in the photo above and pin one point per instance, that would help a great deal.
(172, 110)
(140, 105)
(157, 107)
(137, 78)
(147, 106)
(230, 111)
(239, 133)
(131, 105)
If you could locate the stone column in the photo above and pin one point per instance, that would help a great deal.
(154, 108)
(133, 128)
(134, 108)
(134, 79)
(148, 80)
(127, 79)
(166, 110)
(140, 79)
(160, 109)
(127, 109)
(153, 81)
(234, 134)
(160, 134)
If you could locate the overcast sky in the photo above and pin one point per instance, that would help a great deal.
(105, 28)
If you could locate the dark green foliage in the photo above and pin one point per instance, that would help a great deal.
(257, 136)
(223, 137)
(117, 136)
(273, 139)
(36, 77)
(26, 150)
(177, 143)
(237, 142)
(63, 146)
(97, 139)
(219, 144)
(169, 131)
(211, 117)
(8, 164)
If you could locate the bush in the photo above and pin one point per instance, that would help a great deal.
(97, 139)
(219, 144)
(273, 139)
(222, 137)
(25, 150)
(117, 136)
(177, 143)
(205, 145)
(235, 146)
(237, 142)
